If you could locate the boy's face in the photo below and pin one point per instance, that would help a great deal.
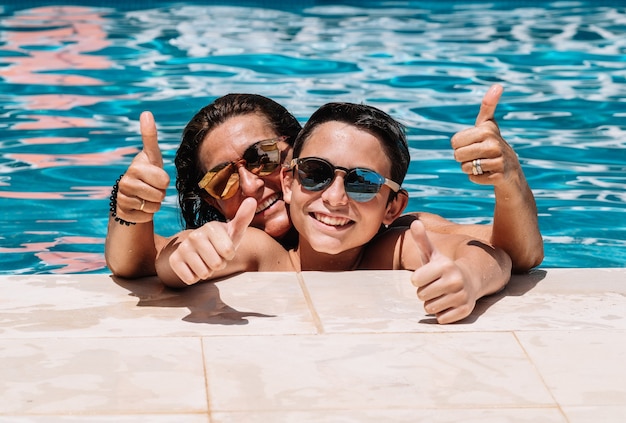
(329, 220)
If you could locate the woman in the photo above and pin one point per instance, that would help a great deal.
(222, 129)
(221, 132)
(343, 188)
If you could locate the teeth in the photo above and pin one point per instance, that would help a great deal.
(330, 220)
(267, 203)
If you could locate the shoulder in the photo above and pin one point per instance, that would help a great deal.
(382, 252)
(263, 252)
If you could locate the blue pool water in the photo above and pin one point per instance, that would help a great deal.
(74, 79)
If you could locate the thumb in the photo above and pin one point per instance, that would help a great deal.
(237, 226)
(489, 104)
(150, 140)
(418, 231)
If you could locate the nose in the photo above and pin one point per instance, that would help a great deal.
(249, 183)
(336, 194)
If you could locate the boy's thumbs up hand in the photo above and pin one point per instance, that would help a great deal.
(440, 282)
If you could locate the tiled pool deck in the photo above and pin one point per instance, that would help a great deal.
(311, 347)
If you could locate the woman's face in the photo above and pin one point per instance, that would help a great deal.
(329, 220)
(227, 143)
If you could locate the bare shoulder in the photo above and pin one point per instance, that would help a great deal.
(380, 252)
(263, 252)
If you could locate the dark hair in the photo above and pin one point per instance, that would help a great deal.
(368, 118)
(195, 211)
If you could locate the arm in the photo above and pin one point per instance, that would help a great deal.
(435, 223)
(515, 225)
(219, 249)
(131, 250)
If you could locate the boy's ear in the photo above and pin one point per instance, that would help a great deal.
(286, 179)
(396, 207)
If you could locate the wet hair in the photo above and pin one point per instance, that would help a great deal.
(195, 210)
(367, 118)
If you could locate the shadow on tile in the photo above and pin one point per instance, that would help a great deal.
(518, 285)
(203, 301)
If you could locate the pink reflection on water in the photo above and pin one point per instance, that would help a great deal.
(54, 122)
(33, 195)
(83, 193)
(42, 161)
(54, 38)
(52, 140)
(59, 101)
(73, 262)
(50, 46)
(32, 247)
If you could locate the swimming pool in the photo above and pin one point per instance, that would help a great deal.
(74, 80)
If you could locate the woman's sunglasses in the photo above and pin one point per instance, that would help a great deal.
(261, 158)
(361, 184)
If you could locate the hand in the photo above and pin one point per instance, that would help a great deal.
(143, 186)
(212, 246)
(483, 142)
(444, 287)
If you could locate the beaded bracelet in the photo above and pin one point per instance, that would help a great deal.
(113, 204)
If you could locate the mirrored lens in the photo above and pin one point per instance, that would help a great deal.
(221, 182)
(263, 157)
(360, 184)
(314, 174)
(363, 184)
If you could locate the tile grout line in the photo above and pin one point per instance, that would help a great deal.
(307, 297)
(206, 380)
(543, 381)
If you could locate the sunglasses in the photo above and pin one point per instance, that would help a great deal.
(361, 184)
(261, 158)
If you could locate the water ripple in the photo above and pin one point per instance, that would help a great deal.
(75, 79)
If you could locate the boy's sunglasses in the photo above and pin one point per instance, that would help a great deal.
(261, 158)
(361, 184)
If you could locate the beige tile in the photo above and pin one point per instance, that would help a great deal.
(365, 301)
(498, 415)
(111, 418)
(603, 414)
(346, 347)
(102, 376)
(576, 280)
(385, 301)
(558, 299)
(581, 368)
(98, 305)
(370, 371)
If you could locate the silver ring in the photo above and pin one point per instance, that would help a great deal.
(476, 168)
(479, 169)
(143, 203)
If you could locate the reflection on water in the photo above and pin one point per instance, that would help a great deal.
(75, 79)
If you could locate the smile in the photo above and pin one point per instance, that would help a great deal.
(331, 220)
(267, 203)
